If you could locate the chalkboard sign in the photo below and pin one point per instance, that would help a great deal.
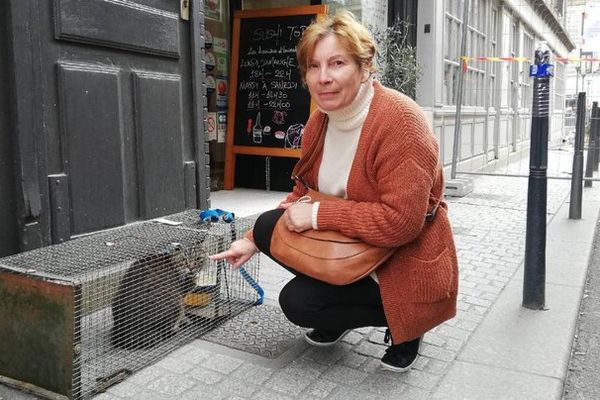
(268, 105)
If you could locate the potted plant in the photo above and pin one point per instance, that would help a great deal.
(397, 58)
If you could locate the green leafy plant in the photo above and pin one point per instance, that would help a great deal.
(397, 58)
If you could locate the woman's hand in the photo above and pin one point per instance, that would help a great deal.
(238, 254)
(297, 216)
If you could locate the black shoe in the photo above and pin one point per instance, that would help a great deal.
(322, 337)
(401, 357)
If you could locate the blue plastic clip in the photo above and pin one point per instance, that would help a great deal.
(216, 214)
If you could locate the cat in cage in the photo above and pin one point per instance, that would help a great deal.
(149, 305)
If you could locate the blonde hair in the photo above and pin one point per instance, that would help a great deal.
(351, 34)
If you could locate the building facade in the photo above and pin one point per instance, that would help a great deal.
(497, 96)
(583, 73)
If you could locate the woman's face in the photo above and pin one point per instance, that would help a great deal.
(332, 76)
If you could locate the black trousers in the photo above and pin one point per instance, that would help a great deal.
(312, 303)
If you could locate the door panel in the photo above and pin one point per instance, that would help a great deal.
(107, 23)
(120, 120)
(8, 226)
(159, 138)
(91, 114)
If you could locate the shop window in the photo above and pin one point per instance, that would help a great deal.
(217, 56)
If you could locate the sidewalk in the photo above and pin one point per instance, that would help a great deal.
(492, 349)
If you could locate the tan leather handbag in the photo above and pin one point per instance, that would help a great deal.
(329, 256)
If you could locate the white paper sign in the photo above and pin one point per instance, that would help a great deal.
(211, 126)
(221, 126)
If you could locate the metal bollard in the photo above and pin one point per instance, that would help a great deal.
(596, 133)
(591, 160)
(577, 176)
(534, 282)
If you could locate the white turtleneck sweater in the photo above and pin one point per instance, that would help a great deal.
(341, 140)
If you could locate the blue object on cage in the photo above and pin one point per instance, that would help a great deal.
(216, 214)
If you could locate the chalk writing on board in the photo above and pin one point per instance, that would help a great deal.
(272, 105)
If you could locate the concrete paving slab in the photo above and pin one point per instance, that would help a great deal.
(467, 380)
(569, 241)
(528, 341)
(582, 230)
(566, 267)
(566, 260)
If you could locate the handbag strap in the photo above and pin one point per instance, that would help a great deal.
(310, 157)
(437, 202)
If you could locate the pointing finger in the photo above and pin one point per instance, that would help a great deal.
(222, 255)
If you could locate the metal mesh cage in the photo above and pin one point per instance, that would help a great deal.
(142, 290)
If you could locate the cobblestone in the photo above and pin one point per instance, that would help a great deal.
(103, 396)
(125, 389)
(263, 394)
(146, 375)
(453, 332)
(469, 291)
(328, 355)
(321, 389)
(415, 393)
(370, 349)
(190, 354)
(239, 387)
(465, 324)
(305, 366)
(455, 345)
(435, 339)
(489, 289)
(252, 373)
(221, 363)
(170, 384)
(175, 365)
(341, 374)
(385, 384)
(202, 391)
(488, 296)
(436, 367)
(467, 283)
(352, 338)
(422, 379)
(289, 383)
(377, 337)
(353, 360)
(206, 376)
(152, 395)
(346, 393)
(438, 353)
(421, 363)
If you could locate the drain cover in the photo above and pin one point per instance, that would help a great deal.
(262, 330)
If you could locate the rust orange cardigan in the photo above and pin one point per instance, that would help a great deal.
(395, 178)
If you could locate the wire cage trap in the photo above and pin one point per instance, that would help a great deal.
(82, 315)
